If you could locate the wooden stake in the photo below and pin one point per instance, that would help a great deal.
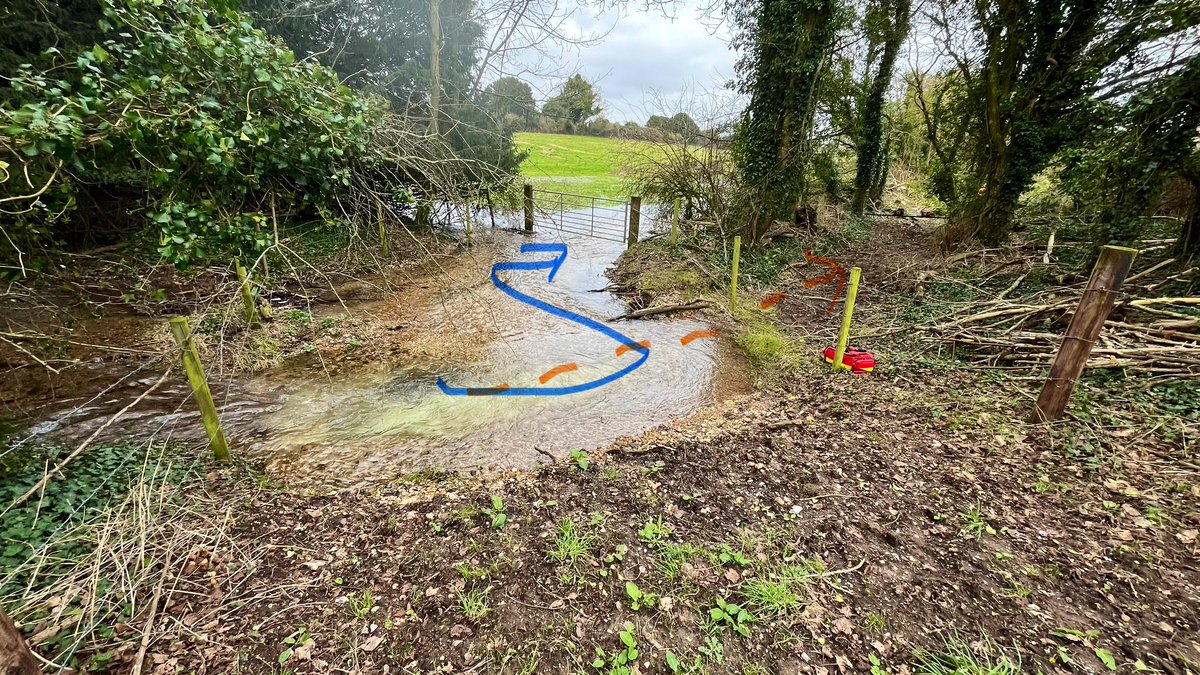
(252, 318)
(195, 372)
(15, 657)
(675, 224)
(1098, 298)
(844, 335)
(491, 209)
(737, 257)
(635, 221)
(383, 240)
(528, 208)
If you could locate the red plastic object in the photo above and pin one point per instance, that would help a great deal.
(857, 360)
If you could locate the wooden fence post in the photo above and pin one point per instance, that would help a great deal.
(15, 657)
(675, 223)
(844, 334)
(424, 216)
(737, 257)
(635, 220)
(528, 208)
(1097, 301)
(383, 241)
(252, 318)
(195, 372)
(491, 208)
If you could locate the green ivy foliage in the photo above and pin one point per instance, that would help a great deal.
(787, 45)
(204, 114)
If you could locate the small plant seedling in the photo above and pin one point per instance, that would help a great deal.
(297, 639)
(728, 556)
(729, 615)
(975, 525)
(654, 531)
(638, 598)
(713, 650)
(622, 662)
(499, 517)
(682, 668)
(361, 605)
(581, 459)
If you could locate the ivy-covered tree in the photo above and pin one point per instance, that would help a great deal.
(1119, 175)
(44, 33)
(786, 47)
(1034, 87)
(886, 26)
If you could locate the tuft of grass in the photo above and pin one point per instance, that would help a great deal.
(571, 549)
(956, 657)
(475, 604)
(771, 596)
(361, 605)
(767, 347)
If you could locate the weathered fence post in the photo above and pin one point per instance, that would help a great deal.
(528, 208)
(383, 242)
(737, 257)
(15, 657)
(844, 334)
(1097, 301)
(635, 220)
(675, 223)
(424, 216)
(491, 208)
(195, 372)
(252, 318)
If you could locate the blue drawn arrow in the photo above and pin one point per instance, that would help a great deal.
(552, 265)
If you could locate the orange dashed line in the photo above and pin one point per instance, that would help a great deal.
(773, 300)
(697, 335)
(626, 348)
(556, 371)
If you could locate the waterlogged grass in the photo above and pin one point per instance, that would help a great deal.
(586, 165)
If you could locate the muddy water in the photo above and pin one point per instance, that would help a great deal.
(352, 427)
(381, 424)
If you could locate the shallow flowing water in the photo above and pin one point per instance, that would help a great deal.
(358, 426)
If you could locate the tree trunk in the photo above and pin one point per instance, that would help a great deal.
(15, 657)
(435, 64)
(872, 148)
(1189, 233)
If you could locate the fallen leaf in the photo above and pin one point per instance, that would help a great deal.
(371, 644)
(1187, 536)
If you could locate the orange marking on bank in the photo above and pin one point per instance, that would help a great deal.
(698, 335)
(556, 371)
(773, 300)
(626, 348)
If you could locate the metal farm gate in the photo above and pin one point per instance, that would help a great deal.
(598, 217)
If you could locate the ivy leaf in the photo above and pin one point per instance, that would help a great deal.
(100, 53)
(1106, 657)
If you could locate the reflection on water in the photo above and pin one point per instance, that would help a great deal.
(382, 424)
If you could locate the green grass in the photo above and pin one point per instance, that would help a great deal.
(586, 165)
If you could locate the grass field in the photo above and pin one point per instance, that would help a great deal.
(585, 165)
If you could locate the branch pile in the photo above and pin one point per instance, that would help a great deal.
(1159, 336)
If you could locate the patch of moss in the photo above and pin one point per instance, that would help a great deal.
(767, 346)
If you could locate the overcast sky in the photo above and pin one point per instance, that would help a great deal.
(650, 64)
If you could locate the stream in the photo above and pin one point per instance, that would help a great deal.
(355, 427)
